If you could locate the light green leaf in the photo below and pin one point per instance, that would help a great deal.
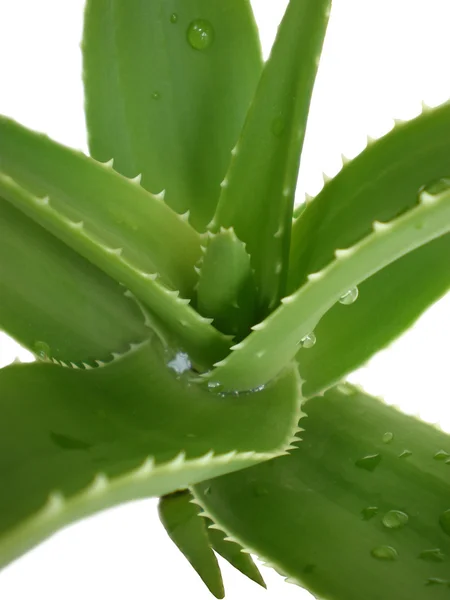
(117, 212)
(226, 288)
(162, 107)
(188, 330)
(233, 552)
(360, 510)
(73, 442)
(55, 302)
(413, 155)
(263, 172)
(188, 531)
(396, 295)
(276, 340)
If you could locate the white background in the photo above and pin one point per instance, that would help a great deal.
(381, 58)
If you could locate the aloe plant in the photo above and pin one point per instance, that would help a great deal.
(193, 331)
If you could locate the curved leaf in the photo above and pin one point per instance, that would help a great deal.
(360, 510)
(191, 331)
(188, 531)
(73, 442)
(264, 168)
(275, 341)
(162, 108)
(55, 302)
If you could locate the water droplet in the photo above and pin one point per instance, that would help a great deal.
(405, 454)
(308, 341)
(432, 555)
(156, 96)
(384, 553)
(444, 521)
(369, 462)
(436, 581)
(350, 296)
(387, 437)
(42, 350)
(180, 363)
(200, 34)
(441, 455)
(395, 519)
(207, 491)
(369, 512)
(174, 18)
(215, 385)
(278, 126)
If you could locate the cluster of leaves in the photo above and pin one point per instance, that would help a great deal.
(173, 299)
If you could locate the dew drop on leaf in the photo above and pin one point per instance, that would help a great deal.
(444, 521)
(432, 555)
(437, 581)
(42, 350)
(441, 455)
(174, 18)
(215, 385)
(180, 363)
(395, 519)
(156, 96)
(350, 296)
(369, 512)
(384, 553)
(308, 341)
(405, 454)
(387, 437)
(369, 462)
(200, 34)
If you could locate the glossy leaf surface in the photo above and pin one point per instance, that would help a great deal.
(360, 509)
(56, 303)
(167, 89)
(73, 442)
(263, 171)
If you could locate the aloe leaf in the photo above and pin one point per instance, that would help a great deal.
(55, 302)
(360, 510)
(233, 552)
(73, 442)
(276, 340)
(189, 532)
(162, 105)
(226, 288)
(117, 211)
(399, 293)
(264, 167)
(191, 332)
(412, 156)
(378, 185)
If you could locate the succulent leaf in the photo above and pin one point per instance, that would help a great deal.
(189, 532)
(55, 302)
(348, 514)
(275, 341)
(226, 288)
(73, 442)
(167, 88)
(193, 332)
(258, 192)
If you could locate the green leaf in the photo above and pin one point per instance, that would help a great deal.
(263, 172)
(188, 531)
(73, 442)
(226, 288)
(119, 213)
(55, 302)
(275, 341)
(161, 107)
(188, 330)
(398, 294)
(233, 552)
(378, 185)
(360, 510)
